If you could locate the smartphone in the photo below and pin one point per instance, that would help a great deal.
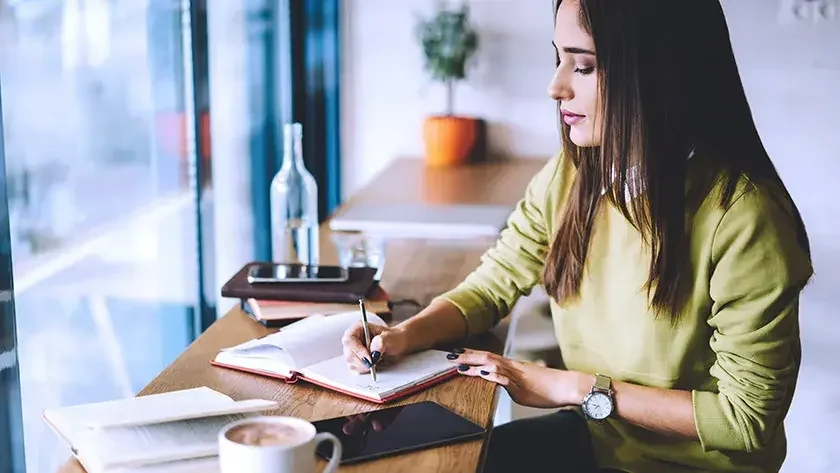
(269, 273)
(396, 430)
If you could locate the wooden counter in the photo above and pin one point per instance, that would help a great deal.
(416, 270)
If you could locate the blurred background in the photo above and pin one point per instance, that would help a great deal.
(140, 137)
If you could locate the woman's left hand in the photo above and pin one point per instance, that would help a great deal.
(528, 384)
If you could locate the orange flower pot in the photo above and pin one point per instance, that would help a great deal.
(450, 140)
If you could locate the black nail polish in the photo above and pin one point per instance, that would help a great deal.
(484, 372)
(366, 362)
(457, 350)
(463, 367)
(452, 356)
(374, 357)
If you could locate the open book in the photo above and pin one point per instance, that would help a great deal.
(311, 349)
(152, 432)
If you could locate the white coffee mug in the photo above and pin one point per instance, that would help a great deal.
(290, 448)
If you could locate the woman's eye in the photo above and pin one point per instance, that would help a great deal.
(584, 70)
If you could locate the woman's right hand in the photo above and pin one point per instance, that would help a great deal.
(390, 343)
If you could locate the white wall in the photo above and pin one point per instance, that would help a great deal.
(791, 72)
(386, 95)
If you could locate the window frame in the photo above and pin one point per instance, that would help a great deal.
(11, 415)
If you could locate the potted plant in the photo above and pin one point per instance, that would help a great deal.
(449, 42)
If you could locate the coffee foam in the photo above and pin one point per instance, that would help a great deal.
(267, 434)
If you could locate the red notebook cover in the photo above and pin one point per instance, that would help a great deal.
(398, 395)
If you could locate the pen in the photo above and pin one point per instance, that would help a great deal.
(367, 336)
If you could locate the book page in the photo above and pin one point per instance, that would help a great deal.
(157, 443)
(409, 371)
(303, 343)
(144, 409)
(76, 424)
(193, 411)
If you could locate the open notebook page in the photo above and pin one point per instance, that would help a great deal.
(303, 343)
(409, 371)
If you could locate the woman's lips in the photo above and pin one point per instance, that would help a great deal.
(572, 119)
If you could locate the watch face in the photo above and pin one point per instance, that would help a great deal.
(598, 405)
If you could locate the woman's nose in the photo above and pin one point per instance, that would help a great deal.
(558, 88)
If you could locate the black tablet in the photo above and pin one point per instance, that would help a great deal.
(394, 430)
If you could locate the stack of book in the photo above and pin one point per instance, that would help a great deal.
(278, 304)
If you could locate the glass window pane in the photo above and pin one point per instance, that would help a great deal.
(101, 201)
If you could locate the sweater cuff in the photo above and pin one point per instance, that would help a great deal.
(472, 308)
(713, 427)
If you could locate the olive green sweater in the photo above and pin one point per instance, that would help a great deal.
(737, 347)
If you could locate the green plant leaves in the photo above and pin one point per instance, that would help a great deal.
(448, 41)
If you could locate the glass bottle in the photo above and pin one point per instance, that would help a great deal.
(294, 205)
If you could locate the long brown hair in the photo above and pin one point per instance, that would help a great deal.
(669, 84)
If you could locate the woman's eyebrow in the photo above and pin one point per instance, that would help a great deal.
(579, 51)
(572, 50)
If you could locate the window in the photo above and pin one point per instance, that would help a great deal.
(139, 142)
(104, 202)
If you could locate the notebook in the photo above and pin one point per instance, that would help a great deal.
(150, 433)
(405, 220)
(311, 350)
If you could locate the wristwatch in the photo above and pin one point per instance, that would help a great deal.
(600, 402)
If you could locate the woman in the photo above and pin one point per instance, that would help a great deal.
(673, 255)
